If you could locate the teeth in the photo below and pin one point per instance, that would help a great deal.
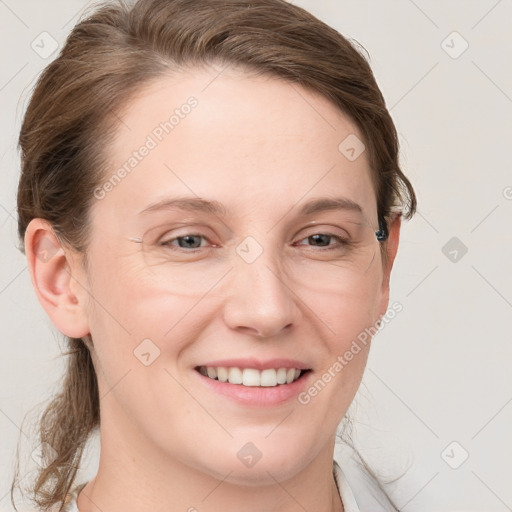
(281, 376)
(251, 377)
(235, 375)
(268, 378)
(222, 374)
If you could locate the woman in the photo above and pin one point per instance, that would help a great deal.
(210, 206)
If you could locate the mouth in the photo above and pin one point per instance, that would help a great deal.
(252, 377)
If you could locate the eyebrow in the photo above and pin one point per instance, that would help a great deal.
(197, 204)
(329, 203)
(192, 204)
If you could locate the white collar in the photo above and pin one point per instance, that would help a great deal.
(346, 494)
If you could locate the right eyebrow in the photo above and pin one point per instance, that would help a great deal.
(193, 204)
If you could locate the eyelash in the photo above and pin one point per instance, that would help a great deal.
(343, 242)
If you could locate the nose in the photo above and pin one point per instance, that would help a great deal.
(260, 301)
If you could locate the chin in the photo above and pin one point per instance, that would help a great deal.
(252, 466)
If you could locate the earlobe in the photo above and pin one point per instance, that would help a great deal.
(51, 271)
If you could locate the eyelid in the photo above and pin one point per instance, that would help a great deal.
(322, 229)
(180, 230)
(165, 227)
(340, 242)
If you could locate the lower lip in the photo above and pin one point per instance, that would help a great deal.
(259, 396)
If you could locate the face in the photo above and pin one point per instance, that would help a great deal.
(247, 281)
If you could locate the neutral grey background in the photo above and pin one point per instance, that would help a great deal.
(438, 384)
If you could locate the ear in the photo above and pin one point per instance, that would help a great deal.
(391, 248)
(58, 279)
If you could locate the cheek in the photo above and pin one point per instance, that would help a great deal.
(345, 309)
(131, 304)
(133, 312)
(139, 329)
(347, 317)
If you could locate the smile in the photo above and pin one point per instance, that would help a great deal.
(252, 377)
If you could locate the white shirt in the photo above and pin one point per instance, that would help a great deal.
(345, 492)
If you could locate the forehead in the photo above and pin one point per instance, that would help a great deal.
(241, 139)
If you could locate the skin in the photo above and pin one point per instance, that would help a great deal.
(168, 443)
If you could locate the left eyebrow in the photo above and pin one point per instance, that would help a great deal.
(329, 203)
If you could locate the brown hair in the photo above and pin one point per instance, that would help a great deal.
(107, 58)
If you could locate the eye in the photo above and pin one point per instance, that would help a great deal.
(187, 241)
(323, 239)
(192, 241)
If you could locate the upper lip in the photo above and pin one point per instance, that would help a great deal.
(258, 364)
